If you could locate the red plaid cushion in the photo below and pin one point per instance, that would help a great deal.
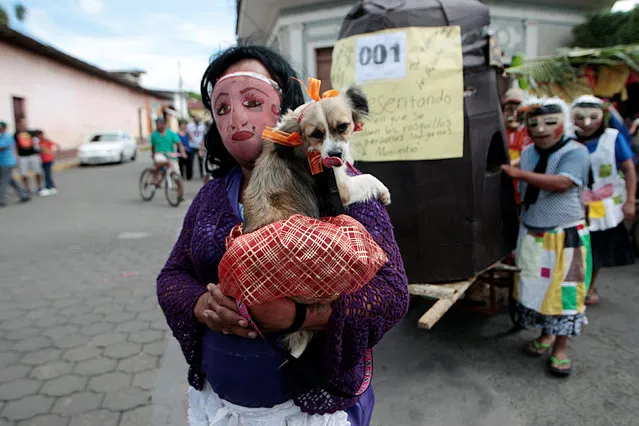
(299, 256)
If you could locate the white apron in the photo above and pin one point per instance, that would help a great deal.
(608, 194)
(208, 409)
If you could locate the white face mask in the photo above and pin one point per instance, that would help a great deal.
(547, 129)
(587, 119)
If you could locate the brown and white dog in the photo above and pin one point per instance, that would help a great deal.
(282, 185)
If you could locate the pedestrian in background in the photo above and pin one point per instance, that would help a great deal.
(196, 131)
(28, 155)
(186, 166)
(8, 162)
(48, 150)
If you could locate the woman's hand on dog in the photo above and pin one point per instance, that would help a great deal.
(219, 313)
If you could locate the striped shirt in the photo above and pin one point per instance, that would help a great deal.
(557, 209)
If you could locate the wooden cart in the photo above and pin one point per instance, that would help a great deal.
(498, 276)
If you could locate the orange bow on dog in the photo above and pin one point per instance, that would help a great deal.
(281, 138)
(291, 140)
(313, 89)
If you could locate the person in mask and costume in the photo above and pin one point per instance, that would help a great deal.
(236, 376)
(611, 188)
(516, 133)
(553, 248)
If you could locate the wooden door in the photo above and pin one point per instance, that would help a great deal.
(323, 61)
(19, 111)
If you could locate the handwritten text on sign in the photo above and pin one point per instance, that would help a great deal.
(416, 112)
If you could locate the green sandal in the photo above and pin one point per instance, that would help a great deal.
(537, 347)
(560, 372)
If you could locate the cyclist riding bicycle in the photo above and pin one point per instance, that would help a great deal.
(164, 145)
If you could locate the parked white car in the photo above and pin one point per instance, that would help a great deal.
(108, 147)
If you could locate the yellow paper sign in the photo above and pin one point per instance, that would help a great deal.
(413, 79)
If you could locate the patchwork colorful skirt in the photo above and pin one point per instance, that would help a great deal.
(556, 270)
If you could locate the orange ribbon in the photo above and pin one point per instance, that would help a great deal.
(282, 138)
(313, 89)
(291, 140)
(315, 162)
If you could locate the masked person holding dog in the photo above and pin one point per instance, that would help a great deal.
(237, 377)
(612, 186)
(553, 248)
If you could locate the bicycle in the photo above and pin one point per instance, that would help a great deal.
(173, 188)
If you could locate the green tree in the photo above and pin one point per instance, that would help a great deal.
(194, 95)
(19, 11)
(608, 29)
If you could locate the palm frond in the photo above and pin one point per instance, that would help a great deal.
(545, 70)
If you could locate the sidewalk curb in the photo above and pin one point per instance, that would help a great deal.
(58, 167)
(75, 162)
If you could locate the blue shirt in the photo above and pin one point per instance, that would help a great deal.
(623, 152)
(7, 156)
(557, 209)
(616, 122)
(185, 142)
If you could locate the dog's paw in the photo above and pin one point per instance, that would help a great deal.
(384, 196)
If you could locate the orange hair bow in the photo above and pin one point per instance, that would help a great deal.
(313, 89)
(291, 140)
(281, 138)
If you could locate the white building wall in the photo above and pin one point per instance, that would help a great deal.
(69, 105)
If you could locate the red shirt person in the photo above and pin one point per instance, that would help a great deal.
(48, 150)
(516, 133)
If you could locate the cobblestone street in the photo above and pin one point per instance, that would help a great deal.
(82, 336)
(83, 341)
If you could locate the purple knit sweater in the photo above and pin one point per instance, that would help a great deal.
(358, 321)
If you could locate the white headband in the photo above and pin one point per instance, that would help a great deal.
(587, 99)
(258, 76)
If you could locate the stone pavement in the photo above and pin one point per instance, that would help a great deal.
(83, 342)
(82, 337)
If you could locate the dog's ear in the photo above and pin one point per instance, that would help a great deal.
(289, 122)
(359, 102)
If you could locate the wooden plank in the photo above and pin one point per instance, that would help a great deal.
(430, 291)
(430, 318)
(501, 267)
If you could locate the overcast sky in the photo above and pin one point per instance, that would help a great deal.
(148, 34)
